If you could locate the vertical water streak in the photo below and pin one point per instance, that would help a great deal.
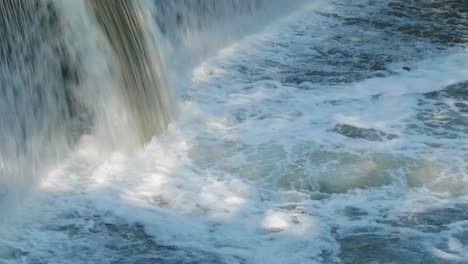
(37, 102)
(141, 66)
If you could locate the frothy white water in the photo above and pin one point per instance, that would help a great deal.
(61, 79)
(264, 172)
(74, 68)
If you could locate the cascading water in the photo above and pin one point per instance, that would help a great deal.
(233, 131)
(37, 80)
(70, 68)
(141, 66)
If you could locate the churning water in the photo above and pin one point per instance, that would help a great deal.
(234, 131)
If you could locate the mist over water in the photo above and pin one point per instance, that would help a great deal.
(74, 68)
(233, 131)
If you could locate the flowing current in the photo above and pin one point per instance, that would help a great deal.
(233, 131)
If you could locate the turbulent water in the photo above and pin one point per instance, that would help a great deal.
(328, 132)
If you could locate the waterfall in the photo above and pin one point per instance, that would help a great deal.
(70, 68)
(37, 103)
(145, 87)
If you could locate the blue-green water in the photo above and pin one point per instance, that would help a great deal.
(335, 133)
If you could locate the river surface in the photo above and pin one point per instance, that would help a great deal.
(338, 134)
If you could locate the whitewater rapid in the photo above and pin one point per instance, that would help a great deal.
(280, 154)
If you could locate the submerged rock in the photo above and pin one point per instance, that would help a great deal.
(370, 134)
